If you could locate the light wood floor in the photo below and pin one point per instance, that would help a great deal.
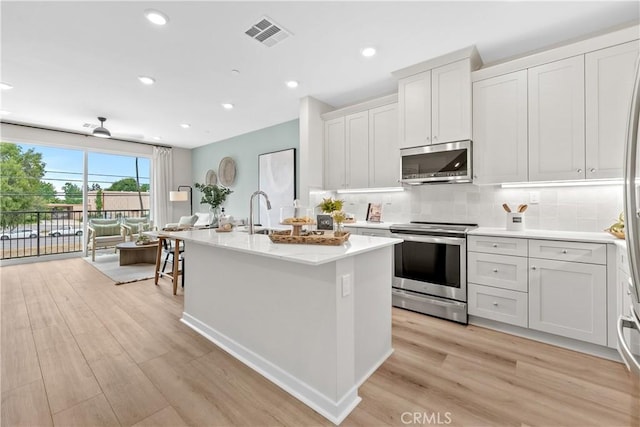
(77, 350)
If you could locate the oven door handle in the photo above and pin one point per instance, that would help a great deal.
(459, 241)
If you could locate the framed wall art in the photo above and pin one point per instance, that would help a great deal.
(277, 178)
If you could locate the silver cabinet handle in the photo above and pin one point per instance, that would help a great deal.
(495, 304)
(628, 292)
(435, 137)
(579, 171)
(564, 251)
(428, 138)
(534, 267)
(495, 270)
(592, 170)
(495, 245)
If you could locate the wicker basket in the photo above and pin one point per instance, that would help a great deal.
(327, 239)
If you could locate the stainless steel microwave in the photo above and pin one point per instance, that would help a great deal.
(450, 162)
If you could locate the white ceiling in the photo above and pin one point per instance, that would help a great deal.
(70, 62)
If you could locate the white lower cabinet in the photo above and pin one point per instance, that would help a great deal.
(568, 299)
(498, 304)
(507, 272)
(553, 286)
(498, 283)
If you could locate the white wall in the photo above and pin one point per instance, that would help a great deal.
(560, 208)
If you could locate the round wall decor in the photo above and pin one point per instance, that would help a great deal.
(227, 171)
(211, 178)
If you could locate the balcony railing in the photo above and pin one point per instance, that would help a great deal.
(41, 233)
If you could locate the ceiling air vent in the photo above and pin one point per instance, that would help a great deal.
(267, 32)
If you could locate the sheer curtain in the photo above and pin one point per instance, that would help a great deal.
(162, 183)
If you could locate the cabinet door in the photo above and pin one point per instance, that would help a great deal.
(500, 129)
(568, 299)
(556, 120)
(335, 153)
(384, 153)
(609, 84)
(357, 162)
(414, 110)
(451, 102)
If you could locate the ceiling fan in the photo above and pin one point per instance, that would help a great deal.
(102, 132)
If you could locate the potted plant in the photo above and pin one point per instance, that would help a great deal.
(213, 195)
(333, 207)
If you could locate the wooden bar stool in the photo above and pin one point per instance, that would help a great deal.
(176, 271)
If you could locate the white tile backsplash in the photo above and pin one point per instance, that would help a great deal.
(560, 208)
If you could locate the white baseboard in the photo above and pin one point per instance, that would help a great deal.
(374, 368)
(334, 411)
(569, 343)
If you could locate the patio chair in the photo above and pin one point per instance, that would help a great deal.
(104, 233)
(132, 227)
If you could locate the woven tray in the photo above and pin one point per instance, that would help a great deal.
(327, 239)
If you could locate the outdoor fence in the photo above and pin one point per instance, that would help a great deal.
(40, 233)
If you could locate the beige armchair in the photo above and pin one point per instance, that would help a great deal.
(104, 233)
(132, 227)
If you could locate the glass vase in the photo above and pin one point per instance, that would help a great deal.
(214, 216)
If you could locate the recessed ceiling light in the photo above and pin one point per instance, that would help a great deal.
(156, 138)
(156, 17)
(4, 112)
(368, 52)
(5, 86)
(227, 106)
(292, 84)
(185, 125)
(146, 80)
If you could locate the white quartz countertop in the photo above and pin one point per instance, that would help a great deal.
(572, 236)
(261, 245)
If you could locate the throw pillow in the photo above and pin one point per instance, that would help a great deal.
(187, 221)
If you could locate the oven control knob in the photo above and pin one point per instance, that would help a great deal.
(564, 251)
(495, 245)
(495, 270)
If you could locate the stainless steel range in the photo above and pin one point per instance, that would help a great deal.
(431, 269)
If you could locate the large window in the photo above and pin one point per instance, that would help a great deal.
(45, 196)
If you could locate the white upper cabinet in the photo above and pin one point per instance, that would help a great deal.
(435, 105)
(609, 84)
(335, 153)
(556, 120)
(361, 145)
(500, 129)
(384, 153)
(414, 112)
(451, 102)
(357, 134)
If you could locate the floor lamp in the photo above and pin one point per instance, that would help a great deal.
(182, 196)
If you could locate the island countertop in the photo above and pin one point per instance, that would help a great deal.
(260, 244)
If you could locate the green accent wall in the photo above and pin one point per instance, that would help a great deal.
(244, 149)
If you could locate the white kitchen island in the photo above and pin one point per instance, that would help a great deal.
(315, 320)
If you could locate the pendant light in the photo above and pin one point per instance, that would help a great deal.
(101, 131)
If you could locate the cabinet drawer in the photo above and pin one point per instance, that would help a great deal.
(498, 304)
(497, 245)
(592, 253)
(500, 271)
